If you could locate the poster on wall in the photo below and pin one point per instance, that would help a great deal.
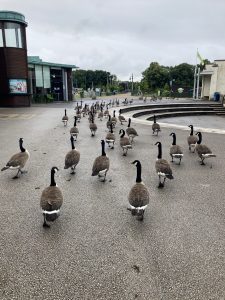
(18, 86)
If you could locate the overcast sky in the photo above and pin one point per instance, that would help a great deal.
(123, 36)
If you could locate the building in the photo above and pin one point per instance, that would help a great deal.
(52, 79)
(213, 79)
(13, 60)
(23, 78)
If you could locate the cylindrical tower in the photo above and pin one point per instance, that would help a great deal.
(13, 60)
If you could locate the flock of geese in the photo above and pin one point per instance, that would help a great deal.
(52, 197)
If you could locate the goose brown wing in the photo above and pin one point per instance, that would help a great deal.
(163, 166)
(51, 198)
(139, 195)
(175, 149)
(202, 149)
(101, 163)
(110, 136)
(18, 159)
(124, 141)
(72, 158)
(192, 139)
(74, 130)
(131, 130)
(155, 126)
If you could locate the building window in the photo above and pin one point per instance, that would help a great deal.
(1, 37)
(13, 35)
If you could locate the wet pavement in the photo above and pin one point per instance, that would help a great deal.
(96, 249)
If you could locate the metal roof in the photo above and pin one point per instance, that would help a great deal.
(36, 60)
(7, 15)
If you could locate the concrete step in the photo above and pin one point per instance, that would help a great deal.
(180, 114)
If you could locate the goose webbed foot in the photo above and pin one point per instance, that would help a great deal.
(133, 211)
(17, 175)
(161, 185)
(46, 225)
(140, 215)
(23, 172)
(202, 163)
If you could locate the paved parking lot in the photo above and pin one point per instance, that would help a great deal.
(96, 249)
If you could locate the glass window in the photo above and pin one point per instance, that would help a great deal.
(46, 73)
(1, 38)
(10, 37)
(14, 35)
(38, 75)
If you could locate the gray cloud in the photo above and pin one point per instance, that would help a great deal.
(123, 37)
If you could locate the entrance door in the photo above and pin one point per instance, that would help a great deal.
(57, 84)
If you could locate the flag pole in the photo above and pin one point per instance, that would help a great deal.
(198, 77)
(194, 89)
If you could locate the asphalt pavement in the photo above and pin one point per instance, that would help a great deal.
(96, 249)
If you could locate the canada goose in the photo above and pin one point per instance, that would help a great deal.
(175, 150)
(84, 110)
(106, 112)
(74, 131)
(109, 122)
(110, 137)
(121, 118)
(124, 142)
(192, 139)
(18, 160)
(78, 115)
(138, 196)
(100, 114)
(155, 126)
(117, 102)
(90, 117)
(51, 200)
(92, 126)
(162, 166)
(72, 157)
(114, 118)
(65, 119)
(131, 132)
(202, 150)
(101, 164)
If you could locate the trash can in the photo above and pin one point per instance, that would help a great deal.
(216, 96)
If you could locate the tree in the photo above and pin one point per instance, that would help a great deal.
(182, 74)
(155, 77)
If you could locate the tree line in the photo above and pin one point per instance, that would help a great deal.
(156, 77)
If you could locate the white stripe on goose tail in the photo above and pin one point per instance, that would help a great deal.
(127, 147)
(178, 155)
(47, 212)
(161, 174)
(109, 141)
(139, 207)
(208, 155)
(102, 173)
